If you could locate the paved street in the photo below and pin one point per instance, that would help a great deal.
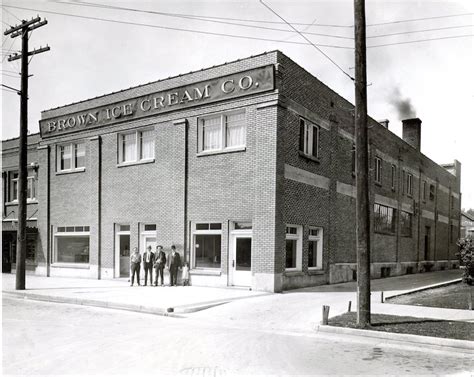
(50, 338)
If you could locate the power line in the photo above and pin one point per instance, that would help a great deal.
(422, 40)
(312, 44)
(8, 75)
(174, 28)
(419, 31)
(274, 22)
(6, 70)
(10, 13)
(103, 6)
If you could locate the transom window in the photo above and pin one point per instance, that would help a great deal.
(71, 156)
(394, 176)
(384, 219)
(207, 238)
(315, 248)
(136, 146)
(378, 170)
(221, 132)
(309, 138)
(293, 258)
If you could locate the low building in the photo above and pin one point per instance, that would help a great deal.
(249, 169)
(10, 157)
(467, 225)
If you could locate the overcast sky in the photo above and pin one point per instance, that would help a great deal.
(90, 57)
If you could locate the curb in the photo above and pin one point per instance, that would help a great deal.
(167, 312)
(420, 289)
(465, 345)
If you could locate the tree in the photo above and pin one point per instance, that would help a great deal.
(466, 258)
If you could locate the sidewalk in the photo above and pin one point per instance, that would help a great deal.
(118, 294)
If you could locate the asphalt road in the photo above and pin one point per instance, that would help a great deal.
(48, 338)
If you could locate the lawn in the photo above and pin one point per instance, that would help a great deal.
(454, 296)
(410, 325)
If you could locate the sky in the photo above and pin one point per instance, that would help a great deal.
(431, 79)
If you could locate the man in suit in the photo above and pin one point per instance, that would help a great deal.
(159, 264)
(135, 260)
(148, 259)
(174, 262)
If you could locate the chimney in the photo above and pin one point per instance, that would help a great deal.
(412, 132)
(384, 122)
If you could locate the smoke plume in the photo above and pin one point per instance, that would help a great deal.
(404, 107)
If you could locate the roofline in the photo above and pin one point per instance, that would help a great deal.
(465, 214)
(157, 81)
(14, 138)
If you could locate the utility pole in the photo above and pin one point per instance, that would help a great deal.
(362, 169)
(23, 29)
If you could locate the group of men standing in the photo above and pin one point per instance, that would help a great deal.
(157, 261)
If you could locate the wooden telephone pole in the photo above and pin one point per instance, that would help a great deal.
(22, 30)
(362, 169)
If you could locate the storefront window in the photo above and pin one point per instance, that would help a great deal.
(72, 244)
(207, 245)
(293, 258)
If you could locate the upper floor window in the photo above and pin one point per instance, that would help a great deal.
(136, 146)
(432, 191)
(293, 258)
(71, 156)
(384, 219)
(222, 132)
(424, 190)
(30, 186)
(353, 158)
(309, 138)
(394, 176)
(409, 184)
(378, 170)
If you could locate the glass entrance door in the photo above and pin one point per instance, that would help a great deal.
(124, 251)
(241, 260)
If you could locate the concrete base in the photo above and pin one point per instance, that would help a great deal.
(345, 272)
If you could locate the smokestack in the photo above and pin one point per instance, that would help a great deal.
(384, 122)
(412, 132)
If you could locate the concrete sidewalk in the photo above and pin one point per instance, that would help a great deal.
(118, 294)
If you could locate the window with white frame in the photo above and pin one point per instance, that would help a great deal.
(315, 248)
(222, 132)
(309, 138)
(71, 156)
(293, 258)
(30, 186)
(378, 170)
(136, 146)
(71, 244)
(206, 245)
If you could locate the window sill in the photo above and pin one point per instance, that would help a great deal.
(205, 272)
(71, 265)
(133, 163)
(378, 183)
(315, 271)
(308, 157)
(72, 171)
(384, 233)
(15, 202)
(221, 151)
(294, 273)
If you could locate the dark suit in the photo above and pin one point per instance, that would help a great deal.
(159, 264)
(174, 262)
(148, 265)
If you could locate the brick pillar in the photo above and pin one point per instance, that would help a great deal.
(179, 183)
(44, 249)
(268, 228)
(95, 168)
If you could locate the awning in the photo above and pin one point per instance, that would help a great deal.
(12, 226)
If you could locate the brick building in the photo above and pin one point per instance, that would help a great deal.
(248, 168)
(10, 157)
